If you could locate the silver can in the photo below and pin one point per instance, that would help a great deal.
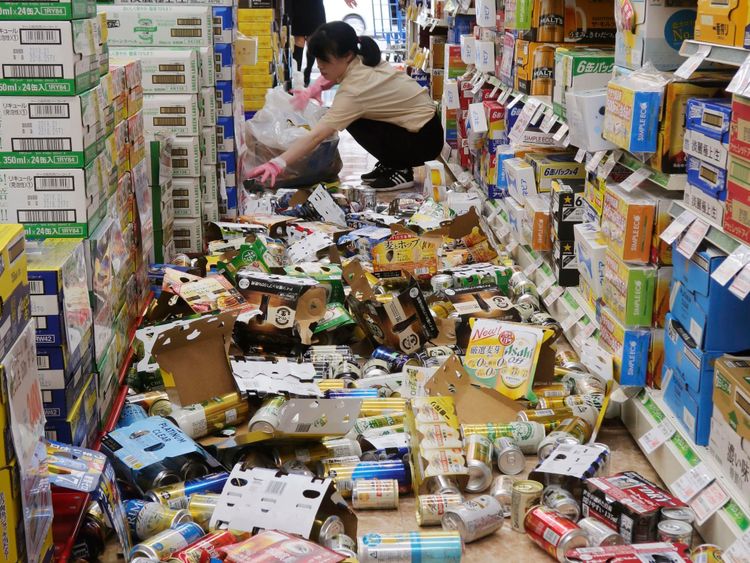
(296, 467)
(441, 282)
(339, 447)
(599, 534)
(562, 502)
(346, 370)
(675, 531)
(474, 519)
(502, 490)
(443, 485)
(267, 418)
(343, 544)
(510, 458)
(367, 198)
(479, 462)
(375, 368)
(430, 508)
(685, 514)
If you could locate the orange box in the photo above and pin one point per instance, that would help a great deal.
(535, 67)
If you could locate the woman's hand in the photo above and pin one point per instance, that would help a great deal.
(351, 3)
(303, 97)
(268, 171)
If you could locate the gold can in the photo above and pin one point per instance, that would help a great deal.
(543, 70)
(201, 507)
(156, 403)
(552, 390)
(374, 494)
(525, 495)
(430, 508)
(375, 407)
(202, 419)
(479, 462)
(551, 23)
(551, 418)
(306, 453)
(326, 384)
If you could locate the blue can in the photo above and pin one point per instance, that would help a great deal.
(396, 360)
(165, 543)
(131, 413)
(367, 392)
(345, 475)
(177, 496)
(383, 454)
(426, 547)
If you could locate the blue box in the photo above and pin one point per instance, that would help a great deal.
(709, 116)
(225, 134)
(77, 428)
(224, 98)
(693, 410)
(463, 25)
(707, 177)
(58, 403)
(57, 366)
(228, 165)
(224, 58)
(511, 116)
(223, 24)
(710, 313)
(680, 350)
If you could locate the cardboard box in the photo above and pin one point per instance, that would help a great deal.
(631, 119)
(566, 204)
(731, 392)
(48, 58)
(159, 26)
(705, 148)
(710, 117)
(549, 167)
(591, 250)
(682, 352)
(737, 214)
(188, 235)
(164, 71)
(225, 134)
(535, 68)
(208, 143)
(50, 132)
(657, 33)
(187, 194)
(579, 69)
(724, 23)
(627, 223)
(521, 179)
(208, 106)
(223, 24)
(48, 10)
(59, 396)
(173, 114)
(76, 428)
(585, 21)
(628, 346)
(186, 157)
(692, 408)
(729, 449)
(228, 167)
(224, 98)
(704, 206)
(210, 183)
(224, 57)
(537, 215)
(629, 291)
(708, 178)
(565, 263)
(207, 65)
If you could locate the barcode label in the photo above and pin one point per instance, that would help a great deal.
(170, 121)
(303, 427)
(42, 362)
(41, 36)
(186, 33)
(181, 193)
(36, 287)
(179, 162)
(46, 396)
(44, 111)
(172, 68)
(33, 145)
(276, 487)
(178, 243)
(41, 322)
(168, 79)
(54, 183)
(32, 71)
(47, 216)
(189, 21)
(172, 110)
(181, 204)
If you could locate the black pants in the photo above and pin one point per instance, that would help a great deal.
(394, 146)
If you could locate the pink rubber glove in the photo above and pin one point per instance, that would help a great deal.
(268, 171)
(303, 97)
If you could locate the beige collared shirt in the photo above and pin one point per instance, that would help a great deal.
(381, 93)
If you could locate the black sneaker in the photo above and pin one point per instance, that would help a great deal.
(374, 173)
(392, 180)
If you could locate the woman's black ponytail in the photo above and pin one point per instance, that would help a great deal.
(369, 50)
(337, 39)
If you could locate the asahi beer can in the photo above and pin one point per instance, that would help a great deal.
(375, 494)
(552, 390)
(599, 534)
(131, 412)
(157, 403)
(405, 547)
(527, 435)
(555, 534)
(165, 543)
(389, 405)
(706, 553)
(343, 544)
(474, 519)
(479, 462)
(149, 518)
(268, 416)
(510, 458)
(177, 496)
(562, 502)
(525, 495)
(502, 490)
(443, 485)
(372, 422)
(430, 508)
(202, 419)
(326, 527)
(589, 383)
(674, 531)
(593, 399)
(207, 546)
(201, 508)
(556, 416)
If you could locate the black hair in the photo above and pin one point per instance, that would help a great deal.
(338, 39)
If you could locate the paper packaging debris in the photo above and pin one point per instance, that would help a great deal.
(521, 179)
(579, 68)
(627, 223)
(629, 291)
(627, 503)
(173, 114)
(569, 465)
(256, 377)
(677, 552)
(165, 71)
(193, 358)
(591, 249)
(241, 508)
(159, 26)
(628, 346)
(48, 58)
(289, 306)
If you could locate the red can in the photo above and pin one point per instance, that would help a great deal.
(553, 533)
(202, 550)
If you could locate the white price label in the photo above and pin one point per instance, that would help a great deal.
(553, 295)
(477, 118)
(494, 90)
(572, 319)
(524, 119)
(635, 179)
(692, 482)
(549, 121)
(545, 284)
(606, 169)
(479, 84)
(741, 285)
(533, 266)
(656, 437)
(677, 227)
(595, 160)
(506, 94)
(693, 238)
(738, 551)
(687, 68)
(560, 133)
(504, 231)
(741, 78)
(516, 98)
(668, 372)
(580, 155)
(711, 499)
(731, 266)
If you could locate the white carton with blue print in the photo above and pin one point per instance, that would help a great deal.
(224, 58)
(591, 249)
(707, 149)
(224, 98)
(223, 24)
(519, 175)
(692, 409)
(228, 166)
(710, 117)
(225, 134)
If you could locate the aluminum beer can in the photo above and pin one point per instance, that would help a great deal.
(394, 359)
(345, 476)
(156, 475)
(502, 490)
(326, 527)
(149, 518)
(343, 447)
(207, 547)
(343, 544)
(527, 435)
(474, 519)
(201, 507)
(405, 547)
(442, 485)
(177, 496)
(375, 367)
(268, 416)
(379, 421)
(479, 462)
(510, 458)
(684, 514)
(552, 390)
(202, 419)
(675, 531)
(165, 543)
(430, 508)
(157, 403)
(375, 494)
(600, 535)
(706, 553)
(562, 502)
(555, 534)
(383, 405)
(525, 495)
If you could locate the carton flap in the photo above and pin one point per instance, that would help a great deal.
(474, 405)
(193, 358)
(355, 276)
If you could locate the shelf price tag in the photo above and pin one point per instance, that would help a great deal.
(606, 169)
(635, 179)
(549, 121)
(693, 62)
(737, 552)
(524, 119)
(545, 284)
(516, 98)
(741, 78)
(528, 270)
(732, 265)
(656, 437)
(479, 84)
(741, 284)
(512, 245)
(560, 133)
(693, 238)
(677, 227)
(692, 482)
(505, 96)
(595, 160)
(710, 500)
(580, 155)
(553, 295)
(572, 319)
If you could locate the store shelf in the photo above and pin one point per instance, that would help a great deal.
(724, 54)
(678, 455)
(716, 236)
(671, 182)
